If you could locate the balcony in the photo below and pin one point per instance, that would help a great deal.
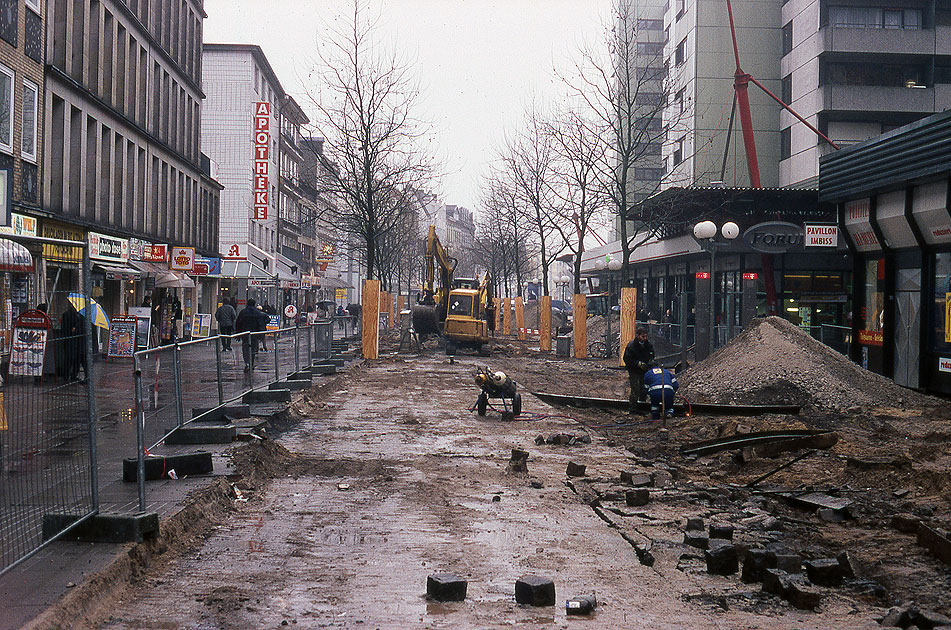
(873, 98)
(876, 41)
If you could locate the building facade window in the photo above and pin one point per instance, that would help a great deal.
(787, 38)
(681, 54)
(650, 48)
(874, 17)
(681, 8)
(679, 151)
(6, 109)
(787, 89)
(650, 25)
(8, 21)
(785, 143)
(28, 122)
(679, 100)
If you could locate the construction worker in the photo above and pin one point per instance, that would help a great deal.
(661, 385)
(638, 357)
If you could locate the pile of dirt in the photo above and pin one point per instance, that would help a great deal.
(775, 362)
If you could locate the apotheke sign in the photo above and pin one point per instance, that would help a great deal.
(774, 237)
(111, 248)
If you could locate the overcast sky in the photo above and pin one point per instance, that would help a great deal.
(480, 62)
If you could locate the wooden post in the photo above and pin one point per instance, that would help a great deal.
(580, 315)
(628, 319)
(498, 313)
(520, 317)
(392, 311)
(507, 319)
(399, 308)
(370, 314)
(544, 324)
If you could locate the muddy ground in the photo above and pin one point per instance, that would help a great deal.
(383, 476)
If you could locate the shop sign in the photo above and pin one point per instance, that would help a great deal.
(207, 266)
(859, 225)
(262, 140)
(235, 251)
(20, 225)
(110, 248)
(822, 236)
(944, 364)
(750, 275)
(340, 294)
(870, 337)
(136, 246)
(183, 259)
(290, 284)
(155, 252)
(261, 282)
(774, 237)
(63, 232)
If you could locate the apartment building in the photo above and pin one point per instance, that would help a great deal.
(250, 128)
(121, 162)
(21, 145)
(856, 69)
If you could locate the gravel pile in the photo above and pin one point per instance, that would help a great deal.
(775, 362)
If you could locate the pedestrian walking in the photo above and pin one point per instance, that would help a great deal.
(225, 316)
(250, 320)
(266, 309)
(661, 385)
(74, 342)
(638, 357)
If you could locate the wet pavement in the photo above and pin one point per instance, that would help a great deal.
(405, 483)
(33, 586)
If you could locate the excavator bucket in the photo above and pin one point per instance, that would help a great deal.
(425, 320)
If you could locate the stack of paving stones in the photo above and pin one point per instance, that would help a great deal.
(565, 439)
(781, 573)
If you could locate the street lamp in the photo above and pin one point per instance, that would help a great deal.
(563, 281)
(706, 234)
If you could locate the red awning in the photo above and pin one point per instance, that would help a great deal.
(15, 257)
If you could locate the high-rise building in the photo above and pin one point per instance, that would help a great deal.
(122, 163)
(251, 129)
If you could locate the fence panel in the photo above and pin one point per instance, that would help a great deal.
(47, 421)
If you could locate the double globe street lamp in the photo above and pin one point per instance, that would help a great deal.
(706, 234)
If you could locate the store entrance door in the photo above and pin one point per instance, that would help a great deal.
(907, 327)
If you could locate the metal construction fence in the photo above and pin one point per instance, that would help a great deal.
(175, 384)
(47, 412)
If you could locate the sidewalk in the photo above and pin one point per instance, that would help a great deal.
(33, 586)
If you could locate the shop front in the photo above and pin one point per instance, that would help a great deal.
(896, 216)
(62, 264)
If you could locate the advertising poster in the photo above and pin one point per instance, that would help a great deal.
(274, 322)
(122, 334)
(143, 325)
(30, 334)
(947, 317)
(201, 325)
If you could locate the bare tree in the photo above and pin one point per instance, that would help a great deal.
(364, 102)
(527, 169)
(577, 146)
(502, 245)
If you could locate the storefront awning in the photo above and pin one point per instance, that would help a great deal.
(243, 269)
(117, 272)
(173, 280)
(149, 268)
(15, 257)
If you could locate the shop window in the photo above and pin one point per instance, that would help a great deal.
(872, 313)
(941, 333)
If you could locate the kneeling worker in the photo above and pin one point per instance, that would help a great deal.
(661, 385)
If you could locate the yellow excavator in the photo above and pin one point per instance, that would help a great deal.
(460, 309)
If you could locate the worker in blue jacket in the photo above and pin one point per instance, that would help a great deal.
(661, 385)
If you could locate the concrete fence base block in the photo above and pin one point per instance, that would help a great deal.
(268, 395)
(303, 375)
(218, 415)
(446, 587)
(202, 434)
(158, 467)
(343, 356)
(290, 385)
(323, 369)
(103, 528)
(535, 591)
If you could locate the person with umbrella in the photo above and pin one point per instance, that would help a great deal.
(74, 341)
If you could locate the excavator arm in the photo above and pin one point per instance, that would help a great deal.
(434, 300)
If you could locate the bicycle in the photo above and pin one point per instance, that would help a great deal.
(599, 348)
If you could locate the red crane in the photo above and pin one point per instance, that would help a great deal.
(741, 81)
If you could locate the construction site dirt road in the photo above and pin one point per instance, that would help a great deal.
(385, 476)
